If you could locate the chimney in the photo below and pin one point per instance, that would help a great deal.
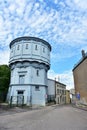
(83, 53)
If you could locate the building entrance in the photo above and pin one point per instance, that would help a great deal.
(20, 98)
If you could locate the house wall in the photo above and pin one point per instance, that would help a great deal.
(67, 96)
(60, 93)
(80, 79)
(57, 90)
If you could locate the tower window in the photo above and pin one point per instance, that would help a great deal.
(18, 47)
(26, 46)
(35, 47)
(37, 72)
(43, 49)
(37, 88)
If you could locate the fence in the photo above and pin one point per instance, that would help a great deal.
(17, 100)
(51, 98)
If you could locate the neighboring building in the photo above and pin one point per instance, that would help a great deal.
(56, 91)
(29, 63)
(80, 78)
(73, 95)
(51, 90)
(60, 93)
(68, 100)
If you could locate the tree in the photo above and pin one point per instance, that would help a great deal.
(4, 81)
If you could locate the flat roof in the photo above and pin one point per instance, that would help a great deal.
(29, 38)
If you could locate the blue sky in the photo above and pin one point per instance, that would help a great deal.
(62, 23)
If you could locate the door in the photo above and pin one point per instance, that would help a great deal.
(20, 98)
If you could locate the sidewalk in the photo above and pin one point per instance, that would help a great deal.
(5, 109)
(80, 107)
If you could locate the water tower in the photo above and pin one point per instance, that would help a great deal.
(29, 62)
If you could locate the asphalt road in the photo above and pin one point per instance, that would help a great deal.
(49, 118)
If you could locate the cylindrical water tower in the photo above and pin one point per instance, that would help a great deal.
(29, 62)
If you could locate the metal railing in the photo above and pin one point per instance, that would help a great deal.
(17, 101)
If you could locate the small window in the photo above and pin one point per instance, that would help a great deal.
(37, 88)
(37, 72)
(20, 92)
(35, 47)
(62, 91)
(57, 91)
(18, 47)
(43, 49)
(26, 46)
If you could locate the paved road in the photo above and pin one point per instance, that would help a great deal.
(49, 118)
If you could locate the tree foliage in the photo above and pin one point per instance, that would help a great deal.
(4, 79)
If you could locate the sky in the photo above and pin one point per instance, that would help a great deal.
(62, 23)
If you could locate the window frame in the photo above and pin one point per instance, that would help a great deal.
(21, 79)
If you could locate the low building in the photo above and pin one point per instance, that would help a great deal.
(51, 90)
(68, 100)
(60, 93)
(73, 95)
(56, 92)
(80, 78)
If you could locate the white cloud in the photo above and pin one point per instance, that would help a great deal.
(60, 26)
(64, 25)
(56, 1)
(65, 78)
(4, 57)
(82, 4)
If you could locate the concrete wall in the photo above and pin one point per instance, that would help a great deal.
(30, 75)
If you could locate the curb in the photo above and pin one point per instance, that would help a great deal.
(81, 108)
